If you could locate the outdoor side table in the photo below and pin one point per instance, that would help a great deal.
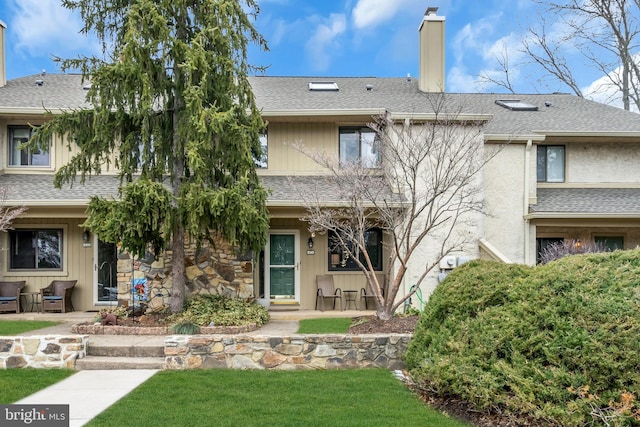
(350, 296)
(32, 298)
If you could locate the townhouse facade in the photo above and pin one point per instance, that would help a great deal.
(566, 170)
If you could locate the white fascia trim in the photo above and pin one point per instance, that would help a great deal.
(573, 215)
(455, 117)
(33, 110)
(503, 137)
(626, 134)
(52, 203)
(340, 112)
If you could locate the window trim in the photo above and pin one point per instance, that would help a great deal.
(63, 272)
(264, 149)
(9, 152)
(360, 130)
(546, 169)
(622, 236)
(354, 267)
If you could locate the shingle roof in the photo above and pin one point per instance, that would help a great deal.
(284, 191)
(566, 113)
(596, 201)
(58, 91)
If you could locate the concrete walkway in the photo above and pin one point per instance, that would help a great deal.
(90, 392)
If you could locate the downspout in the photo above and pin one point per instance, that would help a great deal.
(525, 201)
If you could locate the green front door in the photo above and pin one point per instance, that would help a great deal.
(283, 273)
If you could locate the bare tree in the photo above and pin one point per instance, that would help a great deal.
(426, 194)
(8, 213)
(604, 32)
(502, 77)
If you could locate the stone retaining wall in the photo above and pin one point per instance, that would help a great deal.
(286, 353)
(50, 351)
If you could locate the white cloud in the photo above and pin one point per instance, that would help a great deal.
(43, 28)
(369, 13)
(324, 41)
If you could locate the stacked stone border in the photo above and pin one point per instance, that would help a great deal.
(296, 352)
(50, 351)
(97, 329)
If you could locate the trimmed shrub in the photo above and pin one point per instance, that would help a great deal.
(557, 343)
(217, 310)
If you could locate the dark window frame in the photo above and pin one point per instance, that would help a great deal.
(337, 262)
(344, 130)
(543, 166)
(26, 154)
(19, 257)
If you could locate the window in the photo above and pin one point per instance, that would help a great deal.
(22, 156)
(339, 261)
(543, 244)
(262, 161)
(359, 145)
(516, 105)
(550, 163)
(35, 249)
(609, 243)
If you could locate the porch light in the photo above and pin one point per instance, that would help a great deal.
(578, 244)
(86, 236)
(310, 242)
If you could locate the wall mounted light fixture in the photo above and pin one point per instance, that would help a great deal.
(86, 235)
(310, 242)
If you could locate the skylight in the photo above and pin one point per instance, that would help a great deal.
(330, 86)
(516, 105)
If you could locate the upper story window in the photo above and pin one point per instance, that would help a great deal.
(24, 156)
(359, 145)
(263, 161)
(340, 261)
(551, 163)
(35, 249)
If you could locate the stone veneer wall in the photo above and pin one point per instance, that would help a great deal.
(51, 351)
(295, 352)
(211, 270)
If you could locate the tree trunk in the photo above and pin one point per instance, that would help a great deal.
(176, 301)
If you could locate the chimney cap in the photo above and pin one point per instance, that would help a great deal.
(431, 10)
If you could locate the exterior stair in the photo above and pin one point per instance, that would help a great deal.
(121, 356)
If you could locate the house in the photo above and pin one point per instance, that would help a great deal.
(567, 170)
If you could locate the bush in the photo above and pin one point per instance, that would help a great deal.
(558, 343)
(216, 310)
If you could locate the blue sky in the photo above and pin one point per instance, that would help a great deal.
(325, 38)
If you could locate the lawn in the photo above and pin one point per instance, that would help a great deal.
(368, 397)
(338, 325)
(20, 383)
(15, 327)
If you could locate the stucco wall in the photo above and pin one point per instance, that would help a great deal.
(615, 162)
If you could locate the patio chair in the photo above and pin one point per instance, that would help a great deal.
(327, 290)
(366, 294)
(57, 296)
(10, 296)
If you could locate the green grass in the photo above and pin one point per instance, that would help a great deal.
(15, 327)
(272, 398)
(338, 325)
(20, 383)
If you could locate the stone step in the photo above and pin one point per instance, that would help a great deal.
(108, 362)
(111, 350)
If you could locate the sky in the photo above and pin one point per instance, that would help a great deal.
(329, 38)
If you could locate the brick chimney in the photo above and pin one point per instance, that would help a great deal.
(431, 78)
(3, 66)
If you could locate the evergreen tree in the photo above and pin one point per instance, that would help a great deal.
(172, 110)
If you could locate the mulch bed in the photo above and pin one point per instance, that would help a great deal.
(373, 325)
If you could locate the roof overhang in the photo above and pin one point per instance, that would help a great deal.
(574, 215)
